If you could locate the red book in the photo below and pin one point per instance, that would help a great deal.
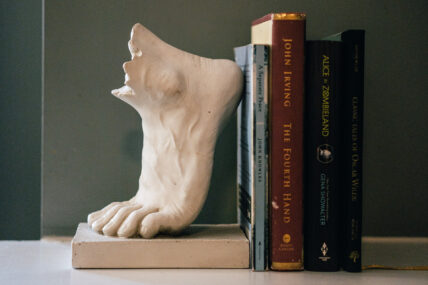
(285, 34)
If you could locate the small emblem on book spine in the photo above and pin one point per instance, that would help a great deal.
(324, 251)
(325, 153)
(354, 256)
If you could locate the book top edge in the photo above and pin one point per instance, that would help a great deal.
(280, 17)
(338, 36)
(323, 42)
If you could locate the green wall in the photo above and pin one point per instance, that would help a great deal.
(92, 141)
(20, 118)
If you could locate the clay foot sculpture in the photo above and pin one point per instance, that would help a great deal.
(183, 101)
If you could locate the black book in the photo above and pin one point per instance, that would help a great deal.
(324, 70)
(351, 164)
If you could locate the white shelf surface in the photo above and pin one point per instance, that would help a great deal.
(49, 262)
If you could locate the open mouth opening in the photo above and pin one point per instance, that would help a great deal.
(123, 91)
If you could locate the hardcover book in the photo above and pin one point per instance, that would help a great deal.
(285, 35)
(252, 150)
(324, 69)
(351, 169)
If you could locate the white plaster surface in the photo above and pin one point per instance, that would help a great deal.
(184, 101)
(200, 246)
(49, 262)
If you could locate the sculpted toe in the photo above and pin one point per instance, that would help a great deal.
(98, 214)
(160, 222)
(149, 228)
(130, 226)
(110, 229)
(93, 217)
(104, 219)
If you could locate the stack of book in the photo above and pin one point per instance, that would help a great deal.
(300, 146)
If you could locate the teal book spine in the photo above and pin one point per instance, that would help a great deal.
(253, 150)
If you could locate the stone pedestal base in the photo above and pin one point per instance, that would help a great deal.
(200, 246)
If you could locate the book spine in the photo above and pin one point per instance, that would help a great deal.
(252, 150)
(353, 148)
(323, 92)
(243, 57)
(286, 145)
(260, 128)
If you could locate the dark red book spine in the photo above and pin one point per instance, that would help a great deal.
(286, 142)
